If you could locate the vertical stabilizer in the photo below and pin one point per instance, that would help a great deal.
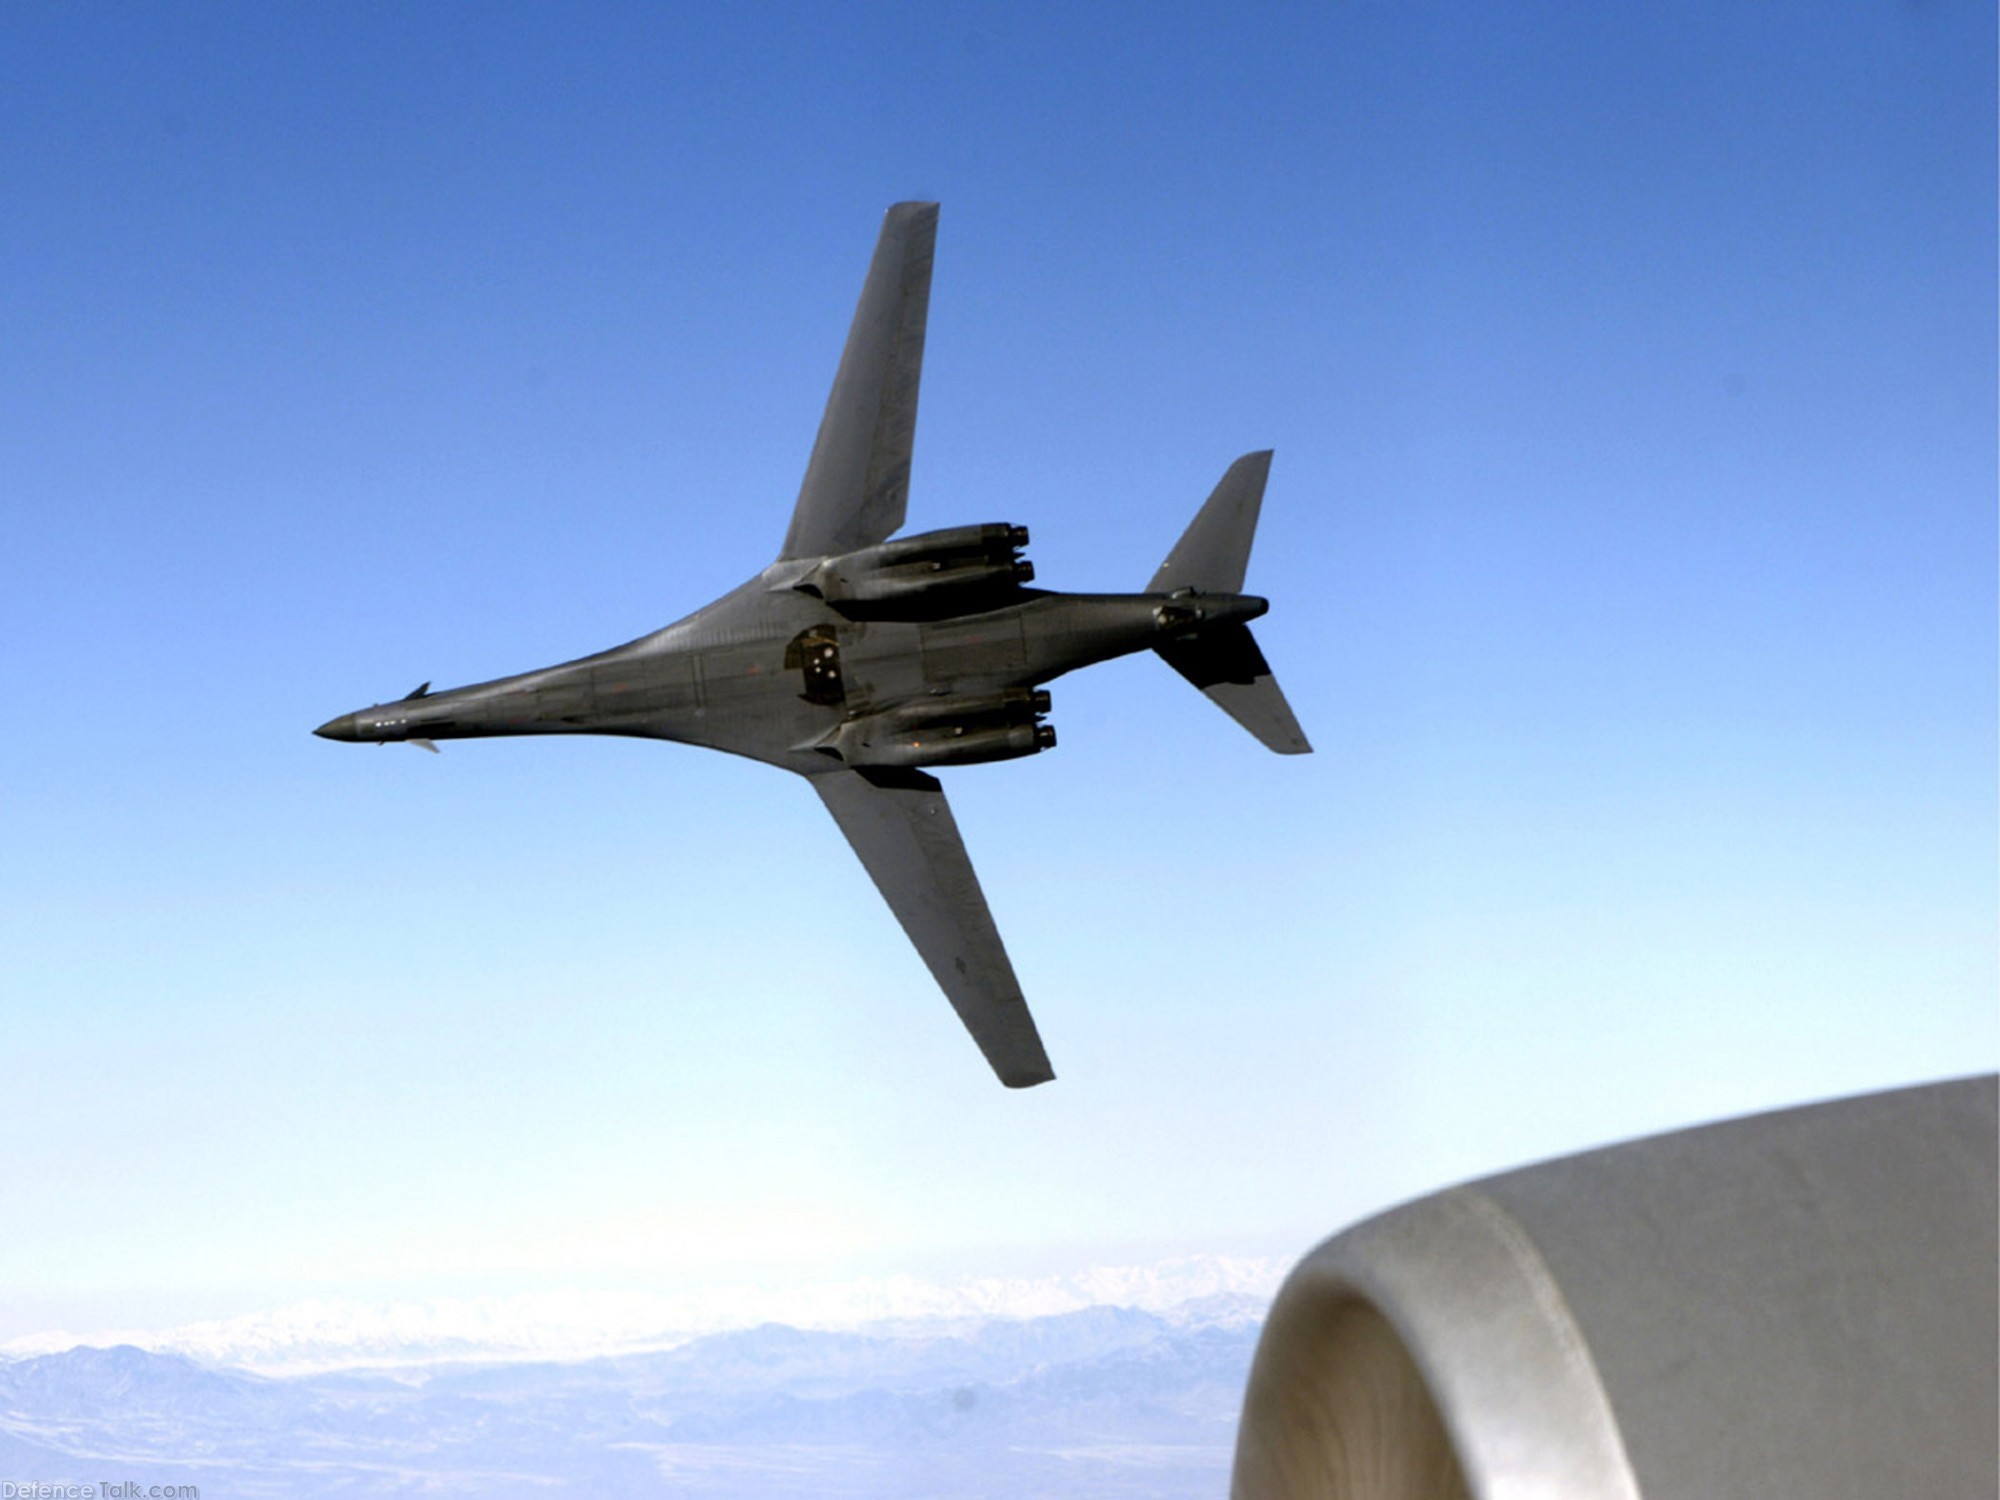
(1223, 660)
(1214, 552)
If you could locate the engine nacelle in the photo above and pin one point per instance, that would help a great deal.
(947, 731)
(959, 561)
(954, 745)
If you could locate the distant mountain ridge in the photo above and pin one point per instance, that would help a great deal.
(319, 1335)
(1101, 1401)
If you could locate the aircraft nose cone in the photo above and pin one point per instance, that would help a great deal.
(341, 728)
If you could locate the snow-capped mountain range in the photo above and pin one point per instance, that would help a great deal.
(1099, 1400)
(320, 1335)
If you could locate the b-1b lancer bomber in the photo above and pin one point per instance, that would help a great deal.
(862, 660)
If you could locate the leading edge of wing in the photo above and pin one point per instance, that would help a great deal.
(857, 483)
(902, 828)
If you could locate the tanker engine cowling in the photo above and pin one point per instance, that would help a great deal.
(949, 732)
(962, 560)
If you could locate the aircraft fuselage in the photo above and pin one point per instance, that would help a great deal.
(773, 673)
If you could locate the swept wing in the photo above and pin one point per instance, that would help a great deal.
(902, 827)
(857, 482)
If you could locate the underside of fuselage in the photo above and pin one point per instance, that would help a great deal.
(774, 674)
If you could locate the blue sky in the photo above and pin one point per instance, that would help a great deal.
(1631, 545)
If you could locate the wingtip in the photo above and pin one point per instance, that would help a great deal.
(1028, 1080)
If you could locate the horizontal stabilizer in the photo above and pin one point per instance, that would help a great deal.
(1226, 665)
(1214, 552)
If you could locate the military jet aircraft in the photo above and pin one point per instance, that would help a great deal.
(862, 660)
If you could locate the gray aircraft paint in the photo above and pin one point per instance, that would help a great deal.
(858, 661)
